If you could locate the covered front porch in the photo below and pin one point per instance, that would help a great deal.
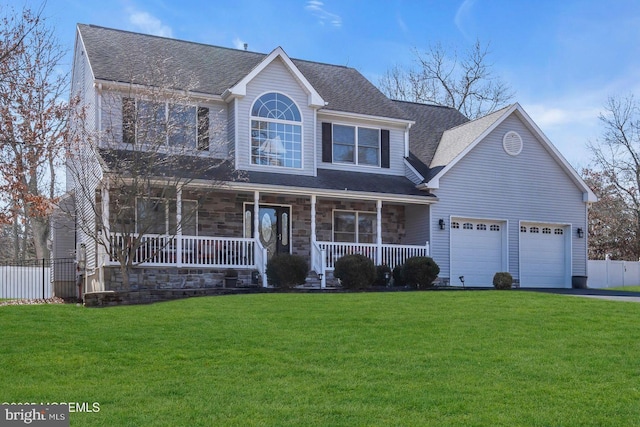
(242, 230)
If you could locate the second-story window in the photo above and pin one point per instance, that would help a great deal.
(357, 145)
(165, 124)
(276, 132)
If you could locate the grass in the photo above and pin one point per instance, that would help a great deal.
(450, 358)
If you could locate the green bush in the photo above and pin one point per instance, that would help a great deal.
(502, 280)
(398, 277)
(355, 271)
(381, 270)
(420, 272)
(286, 271)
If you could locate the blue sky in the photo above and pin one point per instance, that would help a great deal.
(563, 58)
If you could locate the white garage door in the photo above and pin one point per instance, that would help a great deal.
(478, 251)
(543, 256)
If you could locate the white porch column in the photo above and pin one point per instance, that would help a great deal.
(379, 232)
(106, 229)
(313, 218)
(179, 227)
(256, 212)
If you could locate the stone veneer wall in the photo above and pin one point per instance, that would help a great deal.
(171, 278)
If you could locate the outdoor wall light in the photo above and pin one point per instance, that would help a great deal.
(580, 233)
(462, 280)
(441, 223)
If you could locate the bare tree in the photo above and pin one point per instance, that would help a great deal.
(132, 179)
(617, 160)
(466, 82)
(32, 126)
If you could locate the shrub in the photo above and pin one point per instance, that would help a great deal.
(398, 277)
(420, 272)
(355, 271)
(502, 280)
(381, 270)
(286, 271)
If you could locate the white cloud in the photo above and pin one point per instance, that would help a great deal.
(463, 16)
(149, 24)
(324, 17)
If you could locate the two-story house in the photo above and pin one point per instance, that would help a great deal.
(312, 159)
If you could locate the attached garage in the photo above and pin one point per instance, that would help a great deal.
(545, 258)
(478, 250)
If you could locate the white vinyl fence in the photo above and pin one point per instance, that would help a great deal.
(17, 282)
(609, 273)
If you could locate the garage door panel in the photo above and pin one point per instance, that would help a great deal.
(543, 255)
(477, 249)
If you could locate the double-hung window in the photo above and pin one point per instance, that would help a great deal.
(164, 124)
(354, 227)
(357, 145)
(276, 132)
(160, 216)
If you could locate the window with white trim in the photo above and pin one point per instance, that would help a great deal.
(356, 145)
(276, 132)
(164, 123)
(354, 226)
(160, 216)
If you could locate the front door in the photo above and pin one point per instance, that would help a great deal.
(273, 226)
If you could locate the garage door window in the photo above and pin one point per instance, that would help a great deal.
(558, 231)
(455, 225)
(482, 227)
(534, 230)
(523, 229)
(494, 227)
(467, 226)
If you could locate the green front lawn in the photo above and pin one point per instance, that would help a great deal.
(480, 358)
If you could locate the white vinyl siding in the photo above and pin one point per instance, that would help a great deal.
(489, 183)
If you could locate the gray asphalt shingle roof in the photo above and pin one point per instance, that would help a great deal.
(127, 57)
(431, 121)
(205, 168)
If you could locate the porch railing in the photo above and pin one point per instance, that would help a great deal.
(386, 254)
(186, 251)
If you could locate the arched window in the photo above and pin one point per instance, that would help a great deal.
(276, 131)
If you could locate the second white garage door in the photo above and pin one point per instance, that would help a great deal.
(478, 251)
(544, 255)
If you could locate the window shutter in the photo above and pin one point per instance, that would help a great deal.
(384, 148)
(128, 120)
(203, 128)
(327, 142)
